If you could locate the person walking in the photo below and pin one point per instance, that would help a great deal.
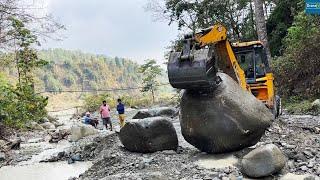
(105, 114)
(120, 109)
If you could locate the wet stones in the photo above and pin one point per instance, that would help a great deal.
(58, 135)
(149, 135)
(263, 161)
(223, 120)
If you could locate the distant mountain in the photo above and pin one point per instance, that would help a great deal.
(75, 70)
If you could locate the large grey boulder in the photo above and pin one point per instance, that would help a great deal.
(149, 135)
(155, 112)
(223, 120)
(79, 131)
(263, 161)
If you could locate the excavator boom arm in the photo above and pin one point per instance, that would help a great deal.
(212, 35)
(186, 70)
(217, 36)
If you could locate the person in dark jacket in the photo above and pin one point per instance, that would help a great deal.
(88, 120)
(120, 109)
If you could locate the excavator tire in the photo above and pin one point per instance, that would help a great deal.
(223, 120)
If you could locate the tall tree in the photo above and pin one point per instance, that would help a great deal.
(261, 25)
(150, 71)
(42, 26)
(199, 14)
(21, 103)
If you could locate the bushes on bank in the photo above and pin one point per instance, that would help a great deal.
(297, 72)
(93, 102)
(20, 105)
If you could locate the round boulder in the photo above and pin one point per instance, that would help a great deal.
(149, 135)
(263, 161)
(223, 120)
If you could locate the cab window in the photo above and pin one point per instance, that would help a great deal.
(245, 60)
(260, 68)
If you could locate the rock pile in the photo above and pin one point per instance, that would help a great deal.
(298, 137)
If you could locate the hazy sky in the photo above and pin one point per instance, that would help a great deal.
(112, 27)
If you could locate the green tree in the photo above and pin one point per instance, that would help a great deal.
(21, 104)
(150, 71)
(297, 71)
(236, 15)
(41, 24)
(280, 21)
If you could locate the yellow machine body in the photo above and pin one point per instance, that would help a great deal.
(239, 60)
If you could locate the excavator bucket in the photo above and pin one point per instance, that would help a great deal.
(192, 72)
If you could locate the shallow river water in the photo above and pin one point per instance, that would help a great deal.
(44, 171)
(33, 170)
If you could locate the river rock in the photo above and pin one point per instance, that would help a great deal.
(14, 144)
(2, 156)
(291, 176)
(79, 131)
(58, 135)
(223, 120)
(35, 126)
(316, 103)
(44, 120)
(55, 157)
(161, 111)
(76, 157)
(263, 161)
(149, 135)
(48, 125)
(35, 140)
(3, 144)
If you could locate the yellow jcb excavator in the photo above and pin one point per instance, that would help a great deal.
(209, 51)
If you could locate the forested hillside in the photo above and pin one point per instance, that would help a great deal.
(75, 70)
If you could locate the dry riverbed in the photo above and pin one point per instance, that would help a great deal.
(104, 157)
(297, 136)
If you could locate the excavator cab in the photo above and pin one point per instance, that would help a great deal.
(252, 59)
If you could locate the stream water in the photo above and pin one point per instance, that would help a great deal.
(33, 170)
(216, 161)
(44, 171)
